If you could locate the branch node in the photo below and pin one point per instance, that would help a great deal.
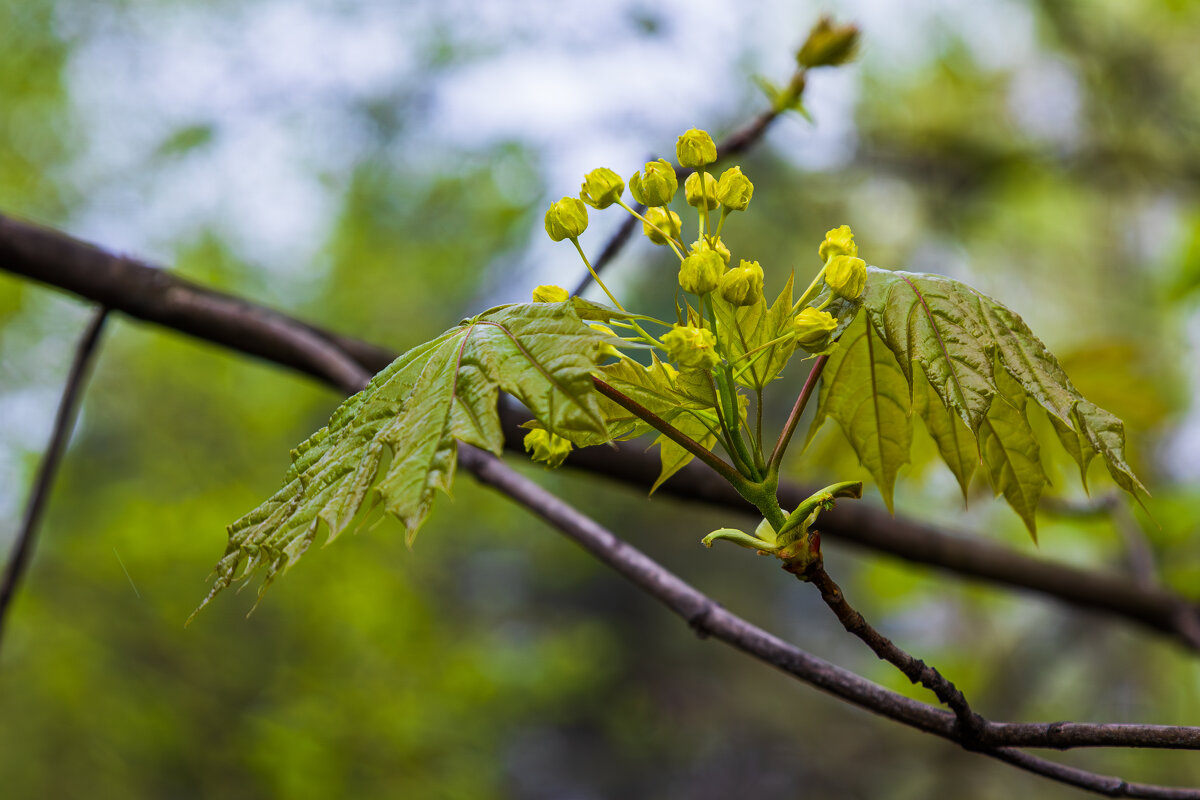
(698, 622)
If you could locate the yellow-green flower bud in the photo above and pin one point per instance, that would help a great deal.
(566, 219)
(847, 276)
(701, 271)
(550, 294)
(713, 243)
(546, 446)
(691, 190)
(655, 185)
(838, 242)
(743, 285)
(691, 348)
(660, 221)
(695, 148)
(828, 45)
(601, 188)
(812, 327)
(734, 190)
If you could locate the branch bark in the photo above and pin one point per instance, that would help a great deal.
(709, 619)
(152, 294)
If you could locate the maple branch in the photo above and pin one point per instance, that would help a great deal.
(154, 295)
(315, 351)
(64, 421)
(916, 670)
(709, 619)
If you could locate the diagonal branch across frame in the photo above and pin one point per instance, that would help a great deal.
(997, 740)
(154, 295)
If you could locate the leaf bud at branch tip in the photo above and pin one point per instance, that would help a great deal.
(828, 45)
(743, 285)
(601, 188)
(550, 294)
(566, 219)
(695, 197)
(695, 148)
(661, 221)
(655, 185)
(734, 190)
(691, 348)
(846, 276)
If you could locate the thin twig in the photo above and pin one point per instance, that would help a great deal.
(709, 619)
(715, 462)
(810, 384)
(154, 295)
(914, 669)
(64, 421)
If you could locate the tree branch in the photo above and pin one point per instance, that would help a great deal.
(64, 421)
(154, 295)
(708, 618)
(319, 355)
(916, 670)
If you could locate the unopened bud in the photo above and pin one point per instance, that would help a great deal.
(696, 198)
(550, 294)
(828, 45)
(812, 327)
(695, 148)
(713, 243)
(743, 285)
(661, 221)
(847, 276)
(701, 271)
(691, 348)
(566, 219)
(838, 242)
(601, 188)
(734, 190)
(546, 446)
(655, 185)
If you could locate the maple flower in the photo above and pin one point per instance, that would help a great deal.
(691, 348)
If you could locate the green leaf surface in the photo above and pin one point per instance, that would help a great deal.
(970, 367)
(415, 411)
(961, 338)
(1011, 456)
(954, 441)
(864, 389)
(754, 339)
(699, 425)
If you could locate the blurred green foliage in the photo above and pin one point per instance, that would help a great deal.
(496, 660)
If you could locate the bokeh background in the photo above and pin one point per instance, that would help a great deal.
(381, 168)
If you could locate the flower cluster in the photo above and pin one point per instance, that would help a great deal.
(708, 336)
